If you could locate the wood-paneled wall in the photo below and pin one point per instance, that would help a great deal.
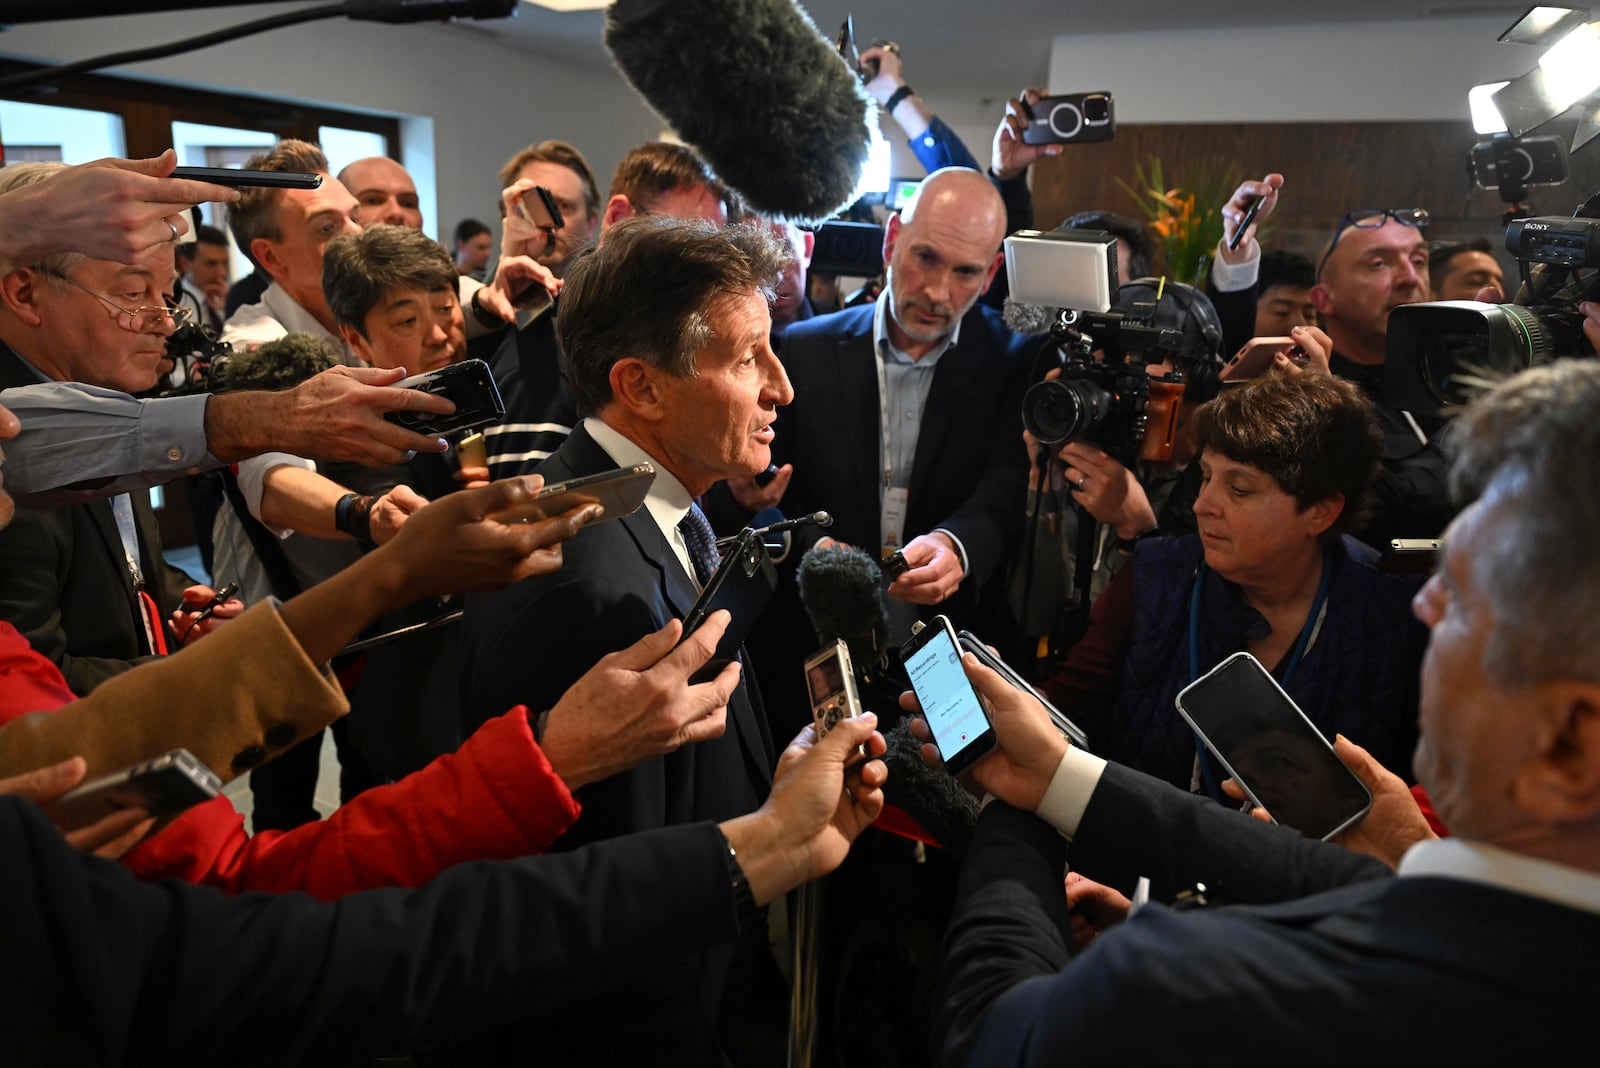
(1328, 168)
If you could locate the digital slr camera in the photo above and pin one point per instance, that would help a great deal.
(1440, 352)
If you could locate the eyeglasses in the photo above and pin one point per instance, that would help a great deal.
(149, 319)
(1371, 219)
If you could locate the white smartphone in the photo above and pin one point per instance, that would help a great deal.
(1278, 755)
(952, 708)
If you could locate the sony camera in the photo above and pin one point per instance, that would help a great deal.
(1440, 352)
(1106, 394)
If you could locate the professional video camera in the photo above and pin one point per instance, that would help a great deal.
(1440, 351)
(1105, 393)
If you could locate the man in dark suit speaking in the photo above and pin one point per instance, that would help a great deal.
(1323, 956)
(664, 328)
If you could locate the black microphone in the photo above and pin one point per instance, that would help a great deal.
(278, 364)
(931, 796)
(841, 590)
(756, 90)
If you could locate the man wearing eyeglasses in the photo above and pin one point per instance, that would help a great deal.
(86, 584)
(1376, 260)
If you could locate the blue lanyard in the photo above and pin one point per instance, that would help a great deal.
(1207, 775)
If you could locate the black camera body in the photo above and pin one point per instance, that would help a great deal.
(1439, 352)
(1109, 405)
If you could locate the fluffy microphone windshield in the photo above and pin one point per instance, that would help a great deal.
(839, 587)
(931, 796)
(756, 90)
(280, 364)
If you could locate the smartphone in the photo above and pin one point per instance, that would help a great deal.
(989, 659)
(164, 786)
(1071, 118)
(237, 176)
(1266, 743)
(1244, 223)
(469, 384)
(952, 708)
(743, 584)
(620, 491)
(540, 208)
(1254, 358)
(831, 683)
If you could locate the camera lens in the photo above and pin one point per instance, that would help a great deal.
(1064, 409)
(1066, 120)
(1096, 109)
(1440, 354)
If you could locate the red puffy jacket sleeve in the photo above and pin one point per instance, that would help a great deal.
(495, 797)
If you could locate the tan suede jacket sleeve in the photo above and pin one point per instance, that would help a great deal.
(243, 694)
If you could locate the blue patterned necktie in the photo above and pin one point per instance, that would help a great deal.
(702, 543)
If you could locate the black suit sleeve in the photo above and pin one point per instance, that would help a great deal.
(1136, 825)
(1236, 311)
(107, 969)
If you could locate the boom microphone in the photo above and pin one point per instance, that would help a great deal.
(756, 90)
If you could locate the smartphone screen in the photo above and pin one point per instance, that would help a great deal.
(951, 706)
(1266, 742)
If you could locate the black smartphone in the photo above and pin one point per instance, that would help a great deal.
(620, 492)
(991, 660)
(1071, 118)
(469, 384)
(237, 176)
(1244, 223)
(540, 208)
(1266, 742)
(952, 708)
(743, 584)
(163, 786)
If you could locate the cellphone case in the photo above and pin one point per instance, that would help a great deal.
(1331, 813)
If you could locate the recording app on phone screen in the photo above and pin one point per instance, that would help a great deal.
(952, 709)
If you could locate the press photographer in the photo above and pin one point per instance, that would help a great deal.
(1105, 423)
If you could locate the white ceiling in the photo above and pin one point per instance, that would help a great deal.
(981, 52)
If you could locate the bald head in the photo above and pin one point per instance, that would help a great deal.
(385, 192)
(941, 253)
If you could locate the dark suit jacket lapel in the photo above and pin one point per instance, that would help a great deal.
(580, 454)
(860, 416)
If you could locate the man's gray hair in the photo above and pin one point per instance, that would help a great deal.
(1531, 446)
(647, 291)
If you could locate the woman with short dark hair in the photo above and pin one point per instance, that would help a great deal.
(1286, 460)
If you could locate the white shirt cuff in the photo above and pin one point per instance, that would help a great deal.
(1070, 789)
(1231, 277)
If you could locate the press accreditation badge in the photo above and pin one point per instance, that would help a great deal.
(894, 519)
